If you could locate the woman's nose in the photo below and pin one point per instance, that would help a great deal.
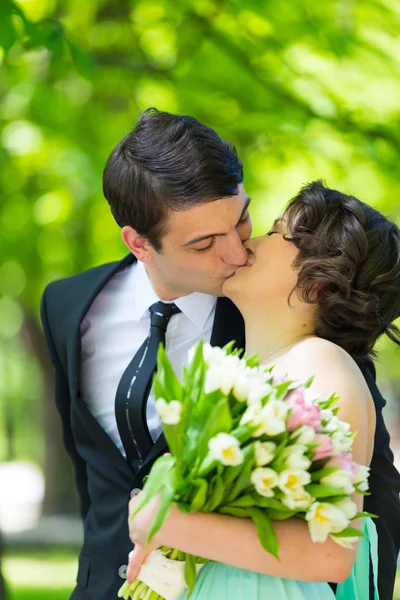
(252, 244)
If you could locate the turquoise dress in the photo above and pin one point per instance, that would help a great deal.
(217, 581)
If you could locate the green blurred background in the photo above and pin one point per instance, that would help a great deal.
(304, 89)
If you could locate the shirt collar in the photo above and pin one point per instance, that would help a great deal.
(196, 306)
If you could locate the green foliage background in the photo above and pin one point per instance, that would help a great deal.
(304, 89)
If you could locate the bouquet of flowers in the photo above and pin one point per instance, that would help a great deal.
(245, 443)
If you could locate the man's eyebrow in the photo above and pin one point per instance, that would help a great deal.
(201, 238)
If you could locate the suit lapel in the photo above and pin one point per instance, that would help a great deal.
(91, 284)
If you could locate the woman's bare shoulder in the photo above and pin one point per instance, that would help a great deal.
(333, 369)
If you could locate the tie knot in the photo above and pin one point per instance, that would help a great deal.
(160, 314)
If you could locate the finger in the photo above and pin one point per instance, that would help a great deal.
(136, 559)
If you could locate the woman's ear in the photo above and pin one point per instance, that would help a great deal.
(137, 244)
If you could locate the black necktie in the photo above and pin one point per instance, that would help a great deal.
(134, 386)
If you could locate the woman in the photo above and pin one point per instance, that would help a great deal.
(317, 292)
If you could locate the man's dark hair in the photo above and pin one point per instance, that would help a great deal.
(349, 266)
(168, 162)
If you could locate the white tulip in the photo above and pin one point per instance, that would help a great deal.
(226, 449)
(164, 575)
(303, 435)
(294, 457)
(264, 480)
(339, 479)
(326, 414)
(344, 427)
(252, 416)
(299, 500)
(348, 507)
(332, 425)
(264, 453)
(221, 376)
(213, 355)
(341, 442)
(273, 419)
(244, 381)
(345, 542)
(361, 478)
(325, 518)
(170, 412)
(291, 481)
(258, 391)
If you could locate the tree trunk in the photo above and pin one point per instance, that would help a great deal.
(60, 494)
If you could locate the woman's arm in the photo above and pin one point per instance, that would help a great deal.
(234, 541)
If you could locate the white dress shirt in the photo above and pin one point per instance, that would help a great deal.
(115, 327)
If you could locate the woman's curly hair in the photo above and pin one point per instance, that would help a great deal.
(348, 265)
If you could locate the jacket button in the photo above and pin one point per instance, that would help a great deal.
(135, 492)
(122, 571)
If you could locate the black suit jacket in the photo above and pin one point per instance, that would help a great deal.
(103, 476)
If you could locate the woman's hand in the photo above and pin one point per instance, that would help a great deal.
(136, 558)
(140, 524)
(138, 532)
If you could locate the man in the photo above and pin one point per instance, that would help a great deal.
(175, 189)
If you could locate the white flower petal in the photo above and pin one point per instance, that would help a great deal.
(264, 453)
(170, 412)
(226, 449)
(264, 480)
(345, 542)
(325, 518)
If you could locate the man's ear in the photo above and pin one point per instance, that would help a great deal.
(137, 244)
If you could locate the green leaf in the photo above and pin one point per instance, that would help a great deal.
(166, 385)
(252, 361)
(156, 479)
(190, 571)
(243, 481)
(273, 503)
(265, 531)
(8, 32)
(323, 491)
(309, 381)
(219, 419)
(234, 511)
(282, 388)
(165, 379)
(280, 515)
(350, 532)
(200, 496)
(364, 514)
(217, 494)
(243, 501)
(317, 475)
(82, 59)
(166, 499)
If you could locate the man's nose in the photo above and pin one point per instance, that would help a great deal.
(236, 253)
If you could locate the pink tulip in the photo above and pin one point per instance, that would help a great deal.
(304, 411)
(325, 446)
(345, 461)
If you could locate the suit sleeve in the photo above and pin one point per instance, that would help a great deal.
(63, 404)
